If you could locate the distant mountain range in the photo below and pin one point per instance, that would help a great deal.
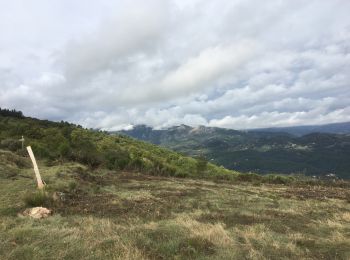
(336, 128)
(283, 150)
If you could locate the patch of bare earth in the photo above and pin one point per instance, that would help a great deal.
(161, 202)
(316, 192)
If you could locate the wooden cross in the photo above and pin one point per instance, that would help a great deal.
(22, 140)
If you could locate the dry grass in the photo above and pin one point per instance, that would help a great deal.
(131, 216)
(215, 233)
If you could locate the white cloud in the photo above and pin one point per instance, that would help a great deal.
(134, 28)
(196, 74)
(238, 64)
(278, 119)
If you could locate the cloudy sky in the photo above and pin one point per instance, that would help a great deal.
(227, 63)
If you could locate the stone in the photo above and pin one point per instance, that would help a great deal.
(37, 212)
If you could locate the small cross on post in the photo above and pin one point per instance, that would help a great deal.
(22, 140)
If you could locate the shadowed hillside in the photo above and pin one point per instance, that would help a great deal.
(335, 128)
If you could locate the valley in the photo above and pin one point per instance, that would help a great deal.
(316, 154)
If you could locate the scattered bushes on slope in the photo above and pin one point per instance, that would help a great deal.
(66, 142)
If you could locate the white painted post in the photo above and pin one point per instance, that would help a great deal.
(36, 169)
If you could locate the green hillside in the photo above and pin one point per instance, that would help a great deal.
(61, 142)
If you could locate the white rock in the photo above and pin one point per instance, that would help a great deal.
(37, 212)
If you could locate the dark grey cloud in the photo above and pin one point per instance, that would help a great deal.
(236, 64)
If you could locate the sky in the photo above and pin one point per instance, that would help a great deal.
(226, 63)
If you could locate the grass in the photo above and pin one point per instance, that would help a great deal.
(38, 198)
(105, 214)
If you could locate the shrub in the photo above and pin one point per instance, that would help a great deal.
(249, 177)
(64, 149)
(37, 199)
(168, 170)
(116, 159)
(201, 164)
(91, 158)
(278, 179)
(11, 144)
(72, 185)
(7, 172)
(181, 174)
(40, 150)
(225, 177)
(162, 168)
(136, 164)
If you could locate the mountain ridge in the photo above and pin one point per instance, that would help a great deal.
(299, 130)
(256, 151)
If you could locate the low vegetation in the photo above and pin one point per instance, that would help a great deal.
(64, 142)
(39, 198)
(108, 214)
(113, 197)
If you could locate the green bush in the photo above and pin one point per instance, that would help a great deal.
(72, 185)
(225, 177)
(10, 144)
(116, 159)
(181, 174)
(40, 150)
(201, 164)
(136, 164)
(64, 149)
(37, 199)
(278, 179)
(168, 170)
(91, 158)
(249, 177)
(7, 172)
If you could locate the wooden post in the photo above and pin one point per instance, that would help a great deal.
(22, 141)
(36, 169)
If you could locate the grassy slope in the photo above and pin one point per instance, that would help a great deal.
(112, 214)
